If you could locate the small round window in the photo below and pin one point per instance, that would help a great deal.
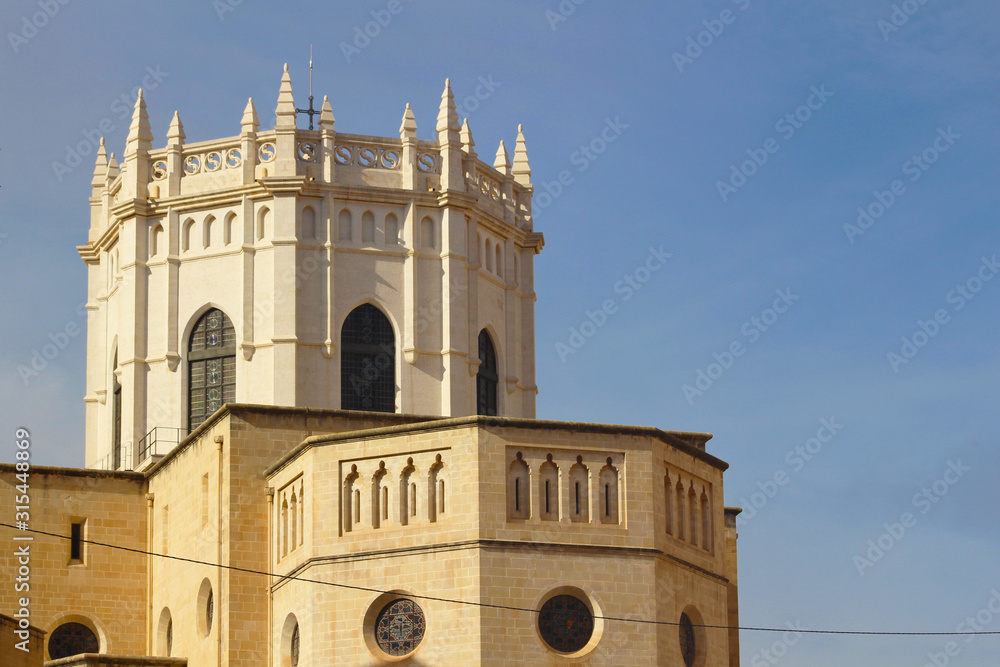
(70, 639)
(399, 627)
(566, 623)
(688, 645)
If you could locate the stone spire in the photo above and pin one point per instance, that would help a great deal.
(285, 112)
(250, 123)
(175, 134)
(140, 137)
(326, 118)
(408, 128)
(502, 161)
(100, 167)
(447, 120)
(468, 143)
(522, 170)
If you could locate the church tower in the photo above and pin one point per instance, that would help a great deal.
(304, 268)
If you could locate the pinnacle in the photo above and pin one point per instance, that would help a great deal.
(522, 170)
(175, 135)
(100, 167)
(447, 120)
(326, 118)
(408, 128)
(250, 122)
(140, 136)
(468, 143)
(502, 161)
(285, 111)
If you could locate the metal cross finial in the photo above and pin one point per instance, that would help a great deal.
(310, 111)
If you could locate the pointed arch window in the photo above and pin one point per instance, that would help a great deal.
(116, 409)
(488, 377)
(211, 366)
(367, 361)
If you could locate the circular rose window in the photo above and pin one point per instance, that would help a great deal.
(566, 623)
(399, 627)
(688, 646)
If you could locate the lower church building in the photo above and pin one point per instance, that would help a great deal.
(311, 434)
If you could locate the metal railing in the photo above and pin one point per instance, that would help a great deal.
(160, 440)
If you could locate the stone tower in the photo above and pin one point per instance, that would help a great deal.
(304, 268)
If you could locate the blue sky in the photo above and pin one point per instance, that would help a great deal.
(891, 83)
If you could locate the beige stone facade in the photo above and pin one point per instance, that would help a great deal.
(281, 530)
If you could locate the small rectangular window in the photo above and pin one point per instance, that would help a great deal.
(76, 542)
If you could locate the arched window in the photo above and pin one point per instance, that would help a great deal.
(499, 263)
(407, 505)
(379, 496)
(609, 493)
(391, 230)
(693, 511)
(579, 485)
(518, 490)
(352, 500)
(116, 417)
(293, 518)
(207, 231)
(263, 223)
(367, 361)
(165, 633)
(187, 234)
(284, 527)
(680, 510)
(302, 513)
(435, 490)
(548, 490)
(489, 255)
(72, 638)
(367, 227)
(229, 228)
(211, 366)
(488, 377)
(706, 523)
(668, 505)
(344, 225)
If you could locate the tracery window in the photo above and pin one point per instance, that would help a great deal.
(211, 366)
(368, 361)
(566, 623)
(400, 627)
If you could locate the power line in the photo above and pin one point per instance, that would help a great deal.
(493, 606)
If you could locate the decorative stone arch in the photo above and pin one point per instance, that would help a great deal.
(668, 502)
(368, 227)
(694, 511)
(609, 491)
(488, 255)
(499, 259)
(352, 500)
(681, 497)
(428, 232)
(188, 232)
(518, 489)
(309, 229)
(707, 534)
(263, 223)
(345, 225)
(579, 491)
(548, 490)
(391, 230)
(207, 231)
(283, 529)
(156, 245)
(369, 366)
(436, 489)
(381, 482)
(229, 227)
(408, 493)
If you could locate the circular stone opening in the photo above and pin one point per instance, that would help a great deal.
(399, 627)
(71, 639)
(566, 623)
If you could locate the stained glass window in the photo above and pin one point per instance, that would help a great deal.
(71, 639)
(212, 365)
(687, 640)
(487, 378)
(400, 627)
(566, 623)
(367, 361)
